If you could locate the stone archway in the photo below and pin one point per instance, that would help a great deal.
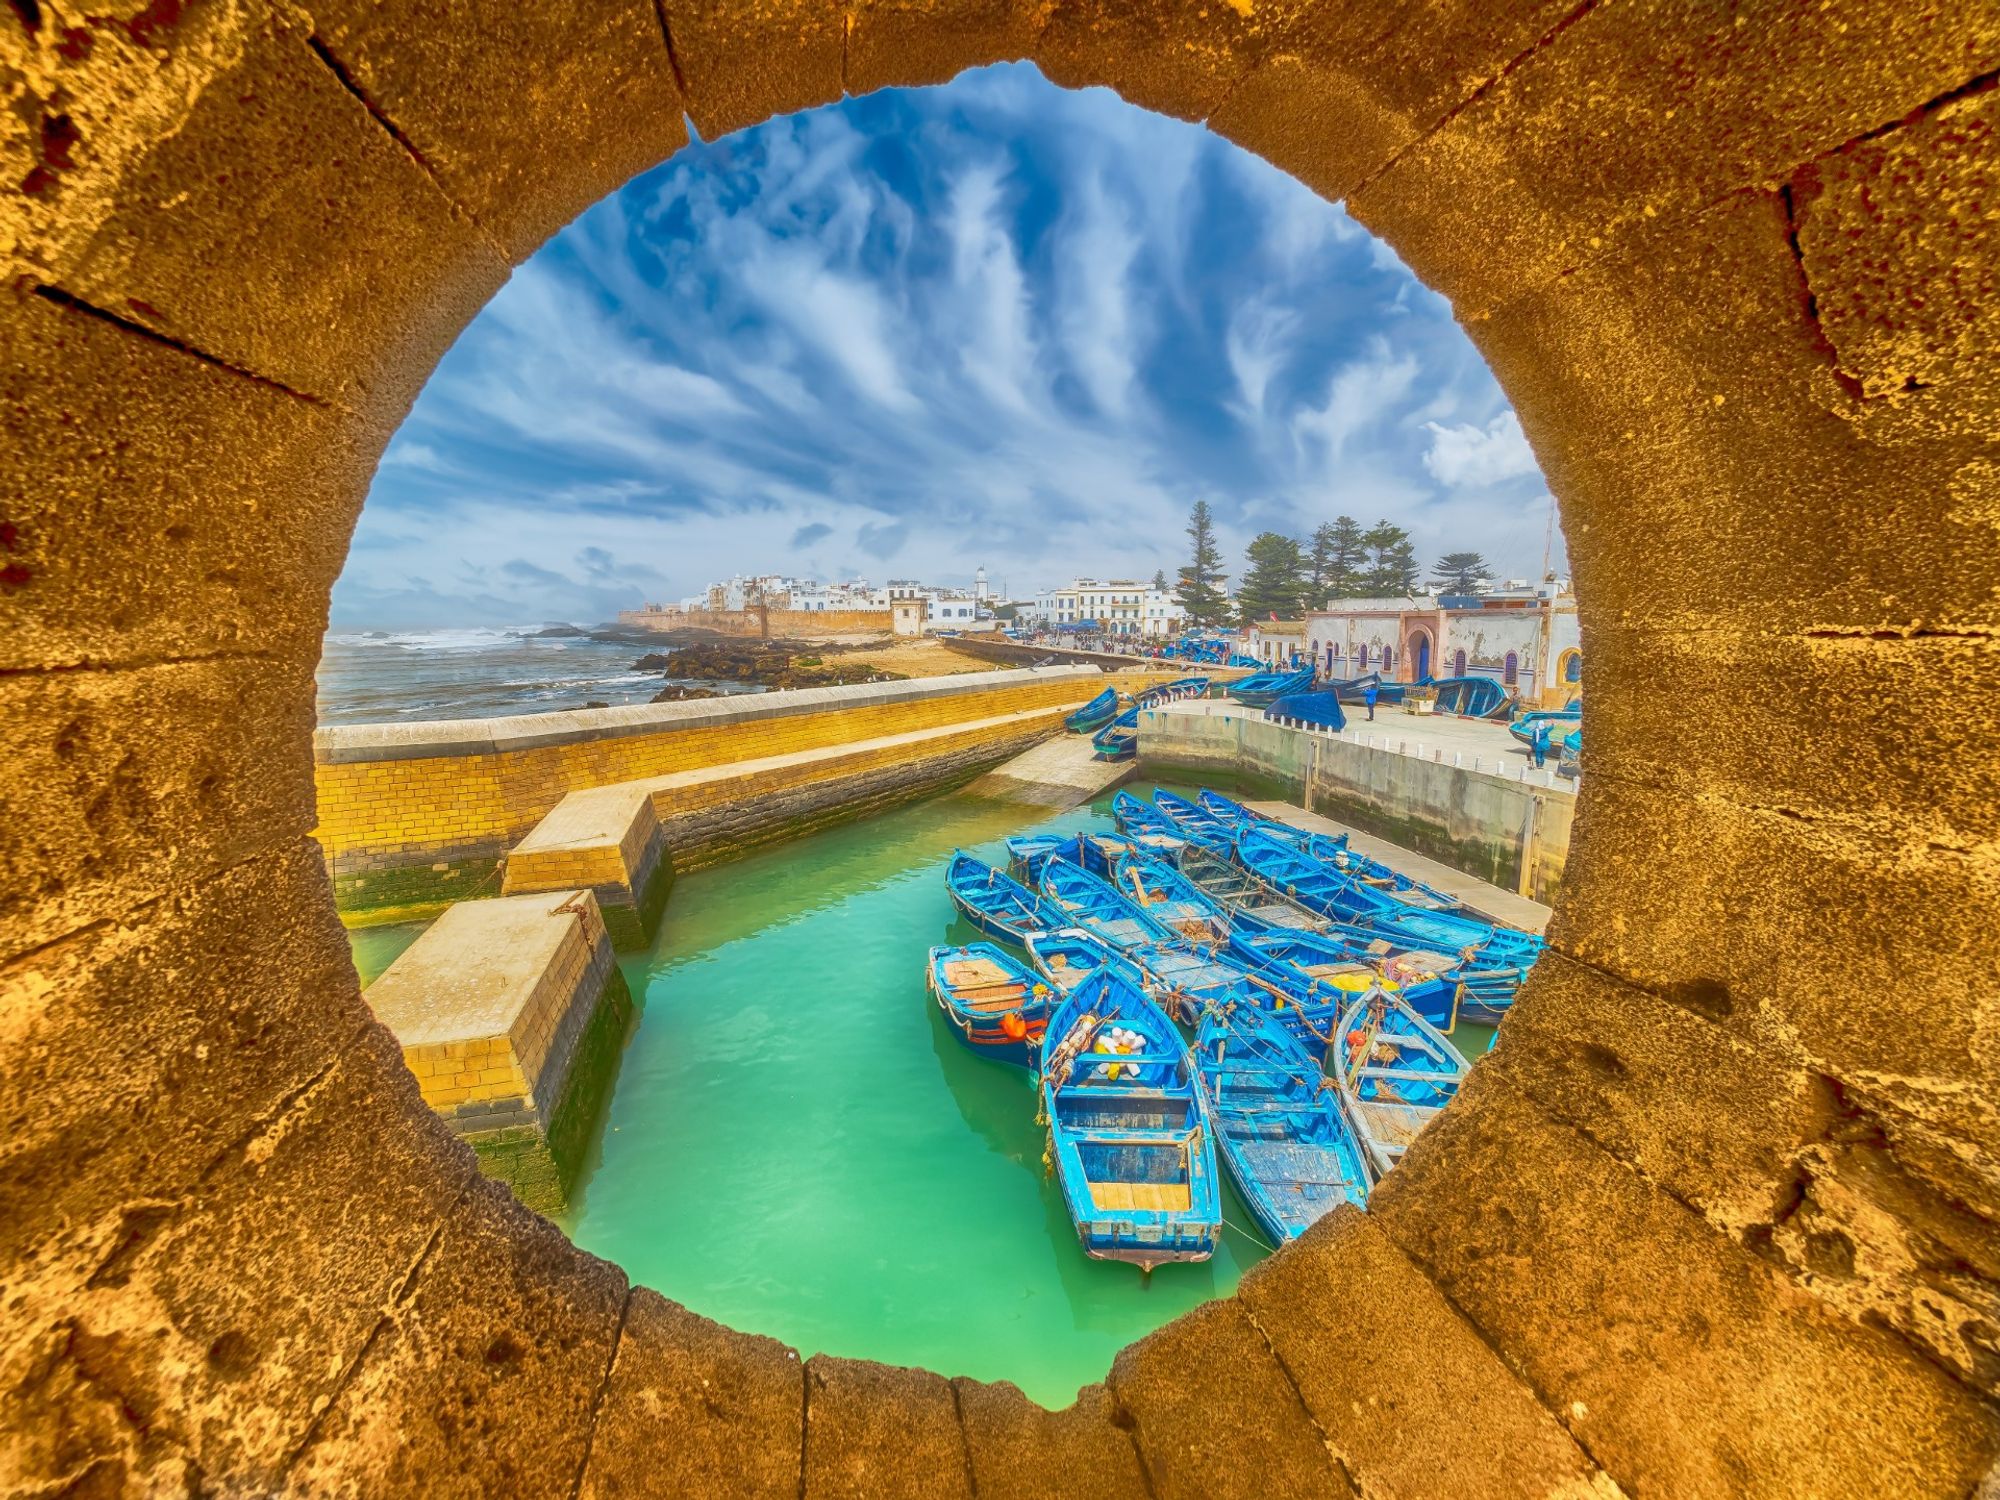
(1719, 1216)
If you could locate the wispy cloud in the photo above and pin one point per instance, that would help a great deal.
(989, 323)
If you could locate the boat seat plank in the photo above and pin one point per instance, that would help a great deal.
(1142, 1197)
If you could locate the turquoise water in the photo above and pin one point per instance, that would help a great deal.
(375, 948)
(798, 1146)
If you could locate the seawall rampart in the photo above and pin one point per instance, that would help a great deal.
(1487, 825)
(764, 624)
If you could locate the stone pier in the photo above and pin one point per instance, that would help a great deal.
(1059, 772)
(609, 839)
(512, 1014)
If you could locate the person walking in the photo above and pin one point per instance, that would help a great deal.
(1538, 741)
(1368, 696)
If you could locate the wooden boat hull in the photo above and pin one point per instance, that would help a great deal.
(1095, 714)
(1118, 740)
(994, 902)
(1283, 1136)
(1396, 1073)
(1002, 1032)
(1129, 1135)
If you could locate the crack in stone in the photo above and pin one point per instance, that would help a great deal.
(603, 1390)
(1291, 1381)
(964, 1439)
(76, 304)
(1788, 203)
(1127, 1421)
(805, 1420)
(1507, 69)
(135, 663)
(673, 59)
(399, 1298)
(396, 133)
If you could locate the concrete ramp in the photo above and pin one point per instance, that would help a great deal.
(1059, 772)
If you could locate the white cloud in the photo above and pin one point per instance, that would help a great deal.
(1467, 456)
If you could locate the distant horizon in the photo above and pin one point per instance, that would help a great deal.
(992, 323)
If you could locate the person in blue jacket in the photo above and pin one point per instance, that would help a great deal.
(1538, 742)
(1368, 696)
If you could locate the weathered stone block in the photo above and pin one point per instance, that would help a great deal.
(1346, 87)
(1681, 1362)
(136, 1049)
(1018, 1451)
(1897, 241)
(876, 1431)
(1684, 406)
(1780, 929)
(225, 1317)
(740, 64)
(243, 497)
(693, 1408)
(1716, 1120)
(1386, 1365)
(524, 146)
(1268, 1447)
(1178, 59)
(485, 1371)
(125, 784)
(906, 43)
(1860, 729)
(1499, 200)
(280, 228)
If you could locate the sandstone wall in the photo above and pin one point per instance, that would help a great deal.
(414, 795)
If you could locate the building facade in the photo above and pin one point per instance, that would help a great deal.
(1526, 639)
(1112, 607)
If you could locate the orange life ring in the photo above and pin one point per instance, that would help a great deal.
(1013, 1025)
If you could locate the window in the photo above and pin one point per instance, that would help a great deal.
(1511, 672)
(1364, 656)
(1388, 658)
(1458, 663)
(1572, 666)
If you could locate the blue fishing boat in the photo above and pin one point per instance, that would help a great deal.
(1326, 970)
(1395, 1072)
(1193, 821)
(996, 1007)
(1283, 1135)
(1146, 827)
(1171, 898)
(1334, 851)
(1317, 711)
(1260, 688)
(1028, 852)
(1559, 721)
(1238, 659)
(1569, 756)
(1172, 692)
(996, 903)
(1095, 714)
(1355, 689)
(1252, 905)
(1085, 900)
(1236, 817)
(1101, 853)
(1118, 740)
(1128, 1132)
(1471, 697)
(1291, 872)
(1069, 955)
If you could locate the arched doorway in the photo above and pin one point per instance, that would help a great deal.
(1418, 654)
(214, 330)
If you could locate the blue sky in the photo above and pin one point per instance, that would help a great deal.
(990, 323)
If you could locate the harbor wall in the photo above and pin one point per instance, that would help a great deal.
(1025, 653)
(1490, 826)
(423, 812)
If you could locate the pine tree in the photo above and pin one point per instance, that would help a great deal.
(1393, 567)
(1200, 589)
(1345, 575)
(1160, 581)
(1275, 583)
(1460, 573)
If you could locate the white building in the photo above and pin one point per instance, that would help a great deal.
(1524, 638)
(1112, 607)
